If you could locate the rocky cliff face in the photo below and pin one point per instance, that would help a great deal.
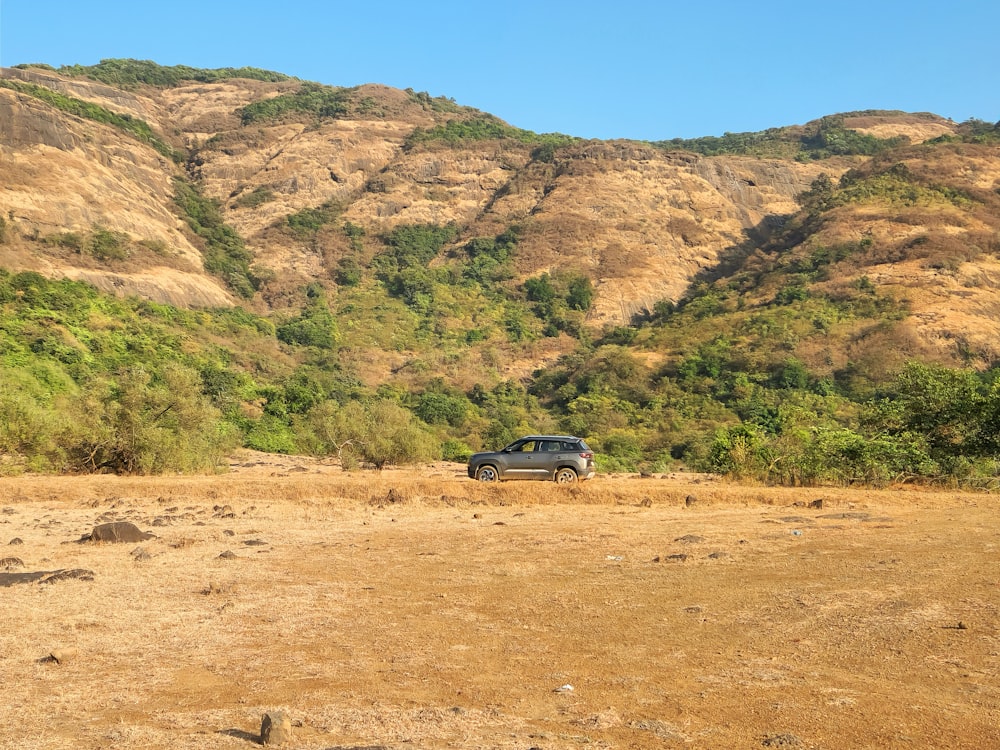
(63, 175)
(640, 221)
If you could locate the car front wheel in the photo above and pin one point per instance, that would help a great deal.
(487, 474)
(565, 476)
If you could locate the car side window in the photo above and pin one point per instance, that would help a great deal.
(550, 445)
(526, 447)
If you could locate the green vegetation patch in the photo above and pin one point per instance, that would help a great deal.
(312, 99)
(489, 260)
(483, 128)
(129, 74)
(972, 130)
(896, 185)
(309, 221)
(825, 138)
(771, 143)
(257, 197)
(225, 253)
(433, 103)
(560, 300)
(315, 326)
(89, 382)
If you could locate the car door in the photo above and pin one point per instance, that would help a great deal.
(523, 461)
(553, 454)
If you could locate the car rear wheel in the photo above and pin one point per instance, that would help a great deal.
(565, 476)
(487, 474)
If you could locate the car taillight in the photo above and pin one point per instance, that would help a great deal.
(587, 454)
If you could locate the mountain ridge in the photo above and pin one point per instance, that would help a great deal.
(458, 265)
(642, 222)
(365, 163)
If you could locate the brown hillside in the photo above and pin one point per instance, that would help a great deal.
(642, 222)
(638, 220)
(934, 246)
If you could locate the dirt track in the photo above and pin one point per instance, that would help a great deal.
(449, 615)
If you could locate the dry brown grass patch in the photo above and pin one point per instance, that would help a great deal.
(452, 616)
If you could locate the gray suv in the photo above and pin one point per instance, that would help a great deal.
(560, 457)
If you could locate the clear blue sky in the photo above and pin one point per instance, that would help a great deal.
(626, 69)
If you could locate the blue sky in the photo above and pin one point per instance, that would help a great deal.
(627, 69)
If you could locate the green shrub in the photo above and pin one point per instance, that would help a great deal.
(772, 143)
(315, 326)
(257, 197)
(69, 240)
(833, 139)
(349, 272)
(455, 450)
(379, 432)
(579, 292)
(27, 427)
(791, 294)
(308, 221)
(490, 259)
(403, 266)
(157, 246)
(559, 301)
(440, 408)
(106, 245)
(417, 244)
(270, 434)
(741, 452)
(612, 464)
(483, 127)
(497, 435)
(623, 448)
(824, 138)
(434, 104)
(225, 253)
(355, 234)
(128, 74)
(146, 423)
(540, 289)
(311, 99)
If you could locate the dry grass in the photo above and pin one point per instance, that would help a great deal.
(408, 610)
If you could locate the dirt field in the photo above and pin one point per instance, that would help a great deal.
(404, 610)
